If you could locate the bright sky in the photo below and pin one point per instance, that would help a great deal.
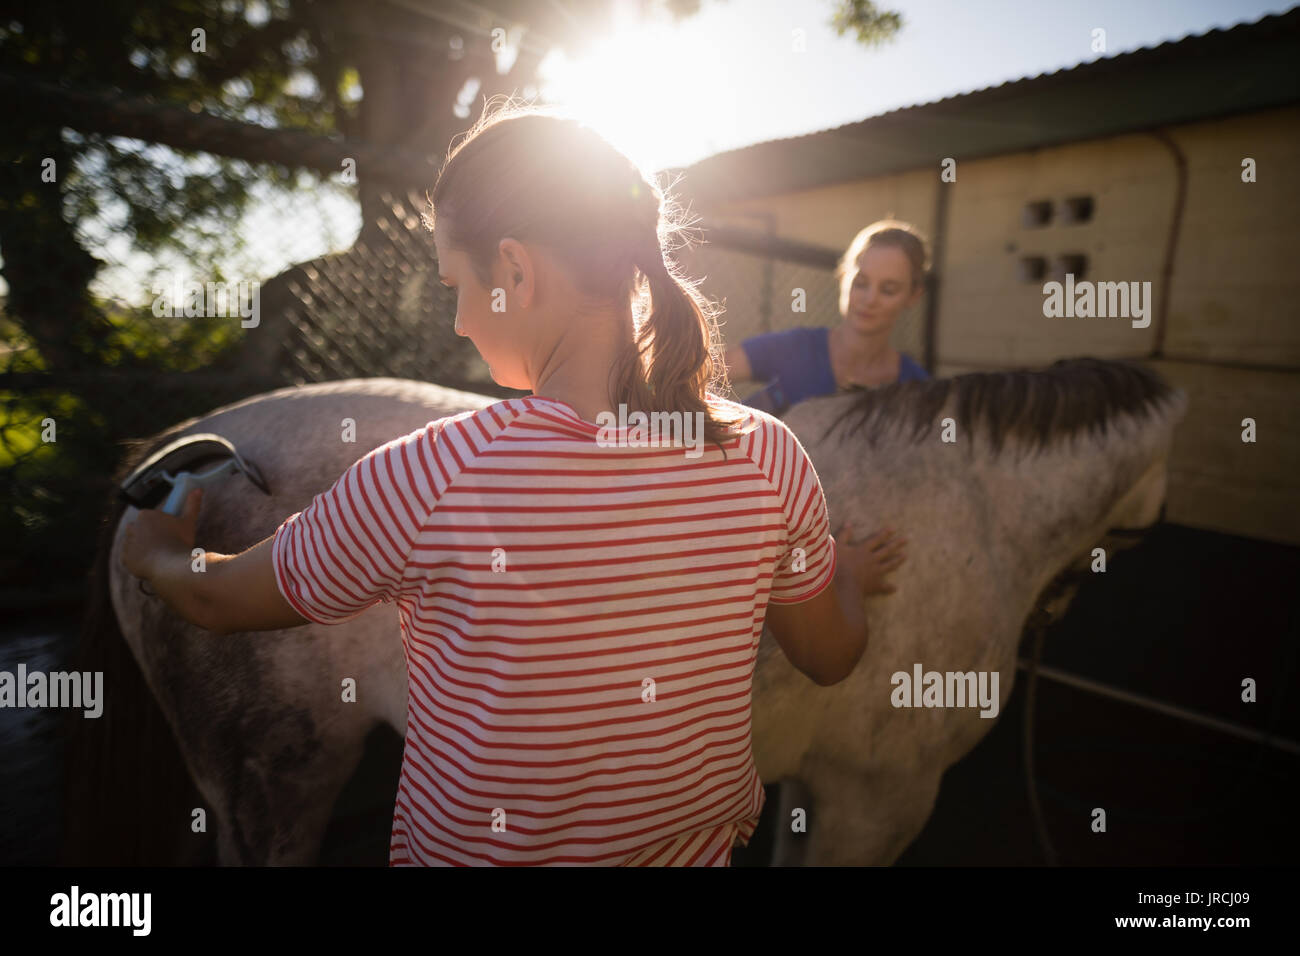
(728, 77)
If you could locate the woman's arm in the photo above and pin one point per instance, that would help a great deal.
(236, 592)
(245, 594)
(825, 636)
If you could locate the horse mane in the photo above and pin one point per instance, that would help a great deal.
(1037, 407)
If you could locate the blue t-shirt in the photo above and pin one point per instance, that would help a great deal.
(796, 364)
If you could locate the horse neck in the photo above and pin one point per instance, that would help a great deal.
(1049, 506)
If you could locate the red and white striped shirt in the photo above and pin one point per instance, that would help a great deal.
(580, 622)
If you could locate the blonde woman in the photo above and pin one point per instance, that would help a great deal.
(881, 274)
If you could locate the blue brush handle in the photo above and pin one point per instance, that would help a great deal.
(183, 484)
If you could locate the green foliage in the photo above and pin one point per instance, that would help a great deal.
(870, 24)
(262, 63)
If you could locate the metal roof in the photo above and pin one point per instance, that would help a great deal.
(1222, 72)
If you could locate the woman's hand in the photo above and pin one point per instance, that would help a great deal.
(154, 535)
(873, 559)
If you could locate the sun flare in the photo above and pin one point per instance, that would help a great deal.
(643, 89)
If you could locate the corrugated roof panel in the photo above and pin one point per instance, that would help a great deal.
(1221, 72)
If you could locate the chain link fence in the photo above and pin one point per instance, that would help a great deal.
(374, 309)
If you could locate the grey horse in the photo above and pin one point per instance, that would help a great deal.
(999, 480)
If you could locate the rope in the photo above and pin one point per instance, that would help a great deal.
(1041, 619)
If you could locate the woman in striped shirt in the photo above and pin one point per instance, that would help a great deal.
(581, 586)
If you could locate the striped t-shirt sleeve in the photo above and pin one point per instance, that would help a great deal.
(348, 549)
(808, 564)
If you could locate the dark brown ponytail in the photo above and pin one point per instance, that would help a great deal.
(673, 359)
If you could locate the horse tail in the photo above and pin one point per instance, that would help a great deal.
(123, 775)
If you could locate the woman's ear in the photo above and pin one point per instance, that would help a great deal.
(520, 268)
(915, 297)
